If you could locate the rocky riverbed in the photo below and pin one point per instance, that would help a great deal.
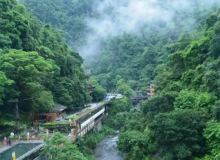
(107, 150)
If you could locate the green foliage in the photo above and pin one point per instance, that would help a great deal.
(3, 82)
(134, 143)
(159, 104)
(27, 70)
(13, 138)
(189, 99)
(186, 71)
(217, 112)
(69, 16)
(93, 139)
(132, 138)
(98, 93)
(213, 138)
(58, 147)
(214, 47)
(37, 69)
(71, 117)
(123, 88)
(179, 133)
(135, 58)
(119, 105)
(54, 124)
(207, 157)
(6, 119)
(23, 136)
(36, 66)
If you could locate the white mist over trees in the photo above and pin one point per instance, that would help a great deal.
(88, 23)
(116, 17)
(119, 37)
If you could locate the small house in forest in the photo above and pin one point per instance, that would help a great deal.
(57, 111)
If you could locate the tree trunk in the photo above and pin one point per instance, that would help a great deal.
(17, 116)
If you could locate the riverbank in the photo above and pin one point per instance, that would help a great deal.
(107, 150)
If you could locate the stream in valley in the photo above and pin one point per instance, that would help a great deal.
(107, 150)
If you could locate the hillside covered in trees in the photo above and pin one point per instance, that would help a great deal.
(37, 69)
(182, 120)
(132, 53)
(69, 16)
(180, 53)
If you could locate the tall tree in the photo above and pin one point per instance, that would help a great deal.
(28, 71)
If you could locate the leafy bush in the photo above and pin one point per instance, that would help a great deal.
(22, 135)
(72, 117)
(93, 139)
(13, 138)
(59, 147)
(213, 137)
(179, 133)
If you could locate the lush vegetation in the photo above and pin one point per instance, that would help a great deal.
(36, 66)
(181, 122)
(98, 92)
(66, 15)
(59, 147)
(139, 58)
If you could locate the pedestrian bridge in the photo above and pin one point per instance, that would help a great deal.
(87, 120)
(82, 122)
(91, 119)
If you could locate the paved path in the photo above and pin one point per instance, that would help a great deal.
(5, 147)
(90, 106)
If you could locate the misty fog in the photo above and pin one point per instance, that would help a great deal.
(116, 17)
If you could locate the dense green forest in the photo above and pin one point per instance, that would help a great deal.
(139, 58)
(37, 68)
(69, 16)
(181, 122)
(134, 57)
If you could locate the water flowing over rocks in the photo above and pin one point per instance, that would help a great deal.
(107, 150)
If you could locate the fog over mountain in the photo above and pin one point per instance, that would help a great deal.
(116, 17)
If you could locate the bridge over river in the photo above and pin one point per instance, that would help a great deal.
(82, 122)
(85, 120)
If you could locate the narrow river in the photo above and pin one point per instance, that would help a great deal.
(107, 150)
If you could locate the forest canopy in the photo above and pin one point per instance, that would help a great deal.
(37, 68)
(181, 56)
